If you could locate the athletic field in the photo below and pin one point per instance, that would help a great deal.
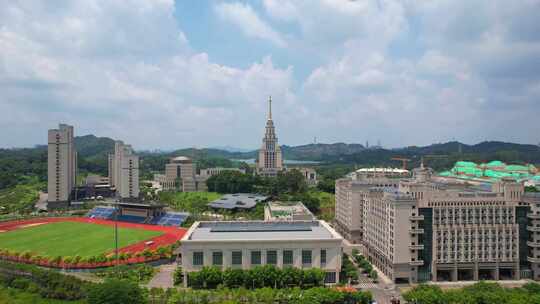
(71, 238)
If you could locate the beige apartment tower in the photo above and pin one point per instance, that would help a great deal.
(124, 171)
(270, 161)
(61, 166)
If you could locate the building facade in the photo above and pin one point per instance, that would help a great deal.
(300, 244)
(124, 171)
(208, 172)
(270, 160)
(61, 166)
(416, 229)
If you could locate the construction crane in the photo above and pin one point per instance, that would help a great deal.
(404, 161)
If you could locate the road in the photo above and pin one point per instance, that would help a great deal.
(383, 291)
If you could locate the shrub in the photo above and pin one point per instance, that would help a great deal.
(115, 292)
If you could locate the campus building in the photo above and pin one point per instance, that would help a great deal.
(301, 244)
(208, 172)
(270, 161)
(124, 171)
(416, 229)
(287, 211)
(61, 166)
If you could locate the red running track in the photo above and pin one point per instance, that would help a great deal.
(170, 234)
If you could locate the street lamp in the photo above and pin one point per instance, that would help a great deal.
(116, 235)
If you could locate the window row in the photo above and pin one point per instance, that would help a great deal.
(256, 257)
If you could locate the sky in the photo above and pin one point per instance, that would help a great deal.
(164, 74)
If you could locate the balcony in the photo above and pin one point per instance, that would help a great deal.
(416, 217)
(421, 262)
(533, 260)
(533, 244)
(417, 247)
(534, 229)
(416, 231)
(533, 216)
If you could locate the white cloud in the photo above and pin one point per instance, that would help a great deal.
(132, 77)
(247, 21)
(408, 72)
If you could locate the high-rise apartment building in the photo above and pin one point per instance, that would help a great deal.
(270, 161)
(418, 229)
(124, 171)
(61, 166)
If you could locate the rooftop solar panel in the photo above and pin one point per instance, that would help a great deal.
(260, 227)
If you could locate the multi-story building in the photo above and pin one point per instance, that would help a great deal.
(300, 244)
(270, 161)
(351, 197)
(416, 229)
(180, 174)
(124, 171)
(61, 166)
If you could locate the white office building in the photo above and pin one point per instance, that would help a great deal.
(300, 244)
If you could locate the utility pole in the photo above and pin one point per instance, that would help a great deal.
(116, 236)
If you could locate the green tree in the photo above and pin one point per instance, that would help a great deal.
(115, 292)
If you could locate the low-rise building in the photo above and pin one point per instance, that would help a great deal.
(287, 211)
(300, 244)
(217, 170)
(310, 175)
(237, 201)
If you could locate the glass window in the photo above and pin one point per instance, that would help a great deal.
(323, 256)
(197, 258)
(236, 258)
(217, 258)
(287, 257)
(255, 258)
(306, 257)
(330, 278)
(271, 257)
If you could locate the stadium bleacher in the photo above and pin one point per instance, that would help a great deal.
(101, 213)
(167, 219)
(170, 219)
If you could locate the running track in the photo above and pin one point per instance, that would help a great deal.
(170, 234)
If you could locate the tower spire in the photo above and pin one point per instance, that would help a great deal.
(270, 108)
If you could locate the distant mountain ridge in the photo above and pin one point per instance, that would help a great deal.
(92, 146)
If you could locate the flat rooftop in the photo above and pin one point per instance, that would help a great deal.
(237, 201)
(284, 209)
(260, 230)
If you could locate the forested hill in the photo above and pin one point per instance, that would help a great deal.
(18, 164)
(92, 146)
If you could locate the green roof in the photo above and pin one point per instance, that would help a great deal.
(517, 168)
(496, 163)
(465, 164)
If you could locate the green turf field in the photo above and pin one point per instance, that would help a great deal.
(71, 239)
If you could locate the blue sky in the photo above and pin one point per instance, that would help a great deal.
(165, 74)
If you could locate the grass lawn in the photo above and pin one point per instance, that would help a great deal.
(71, 239)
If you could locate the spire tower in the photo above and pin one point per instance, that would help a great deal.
(270, 108)
(270, 161)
